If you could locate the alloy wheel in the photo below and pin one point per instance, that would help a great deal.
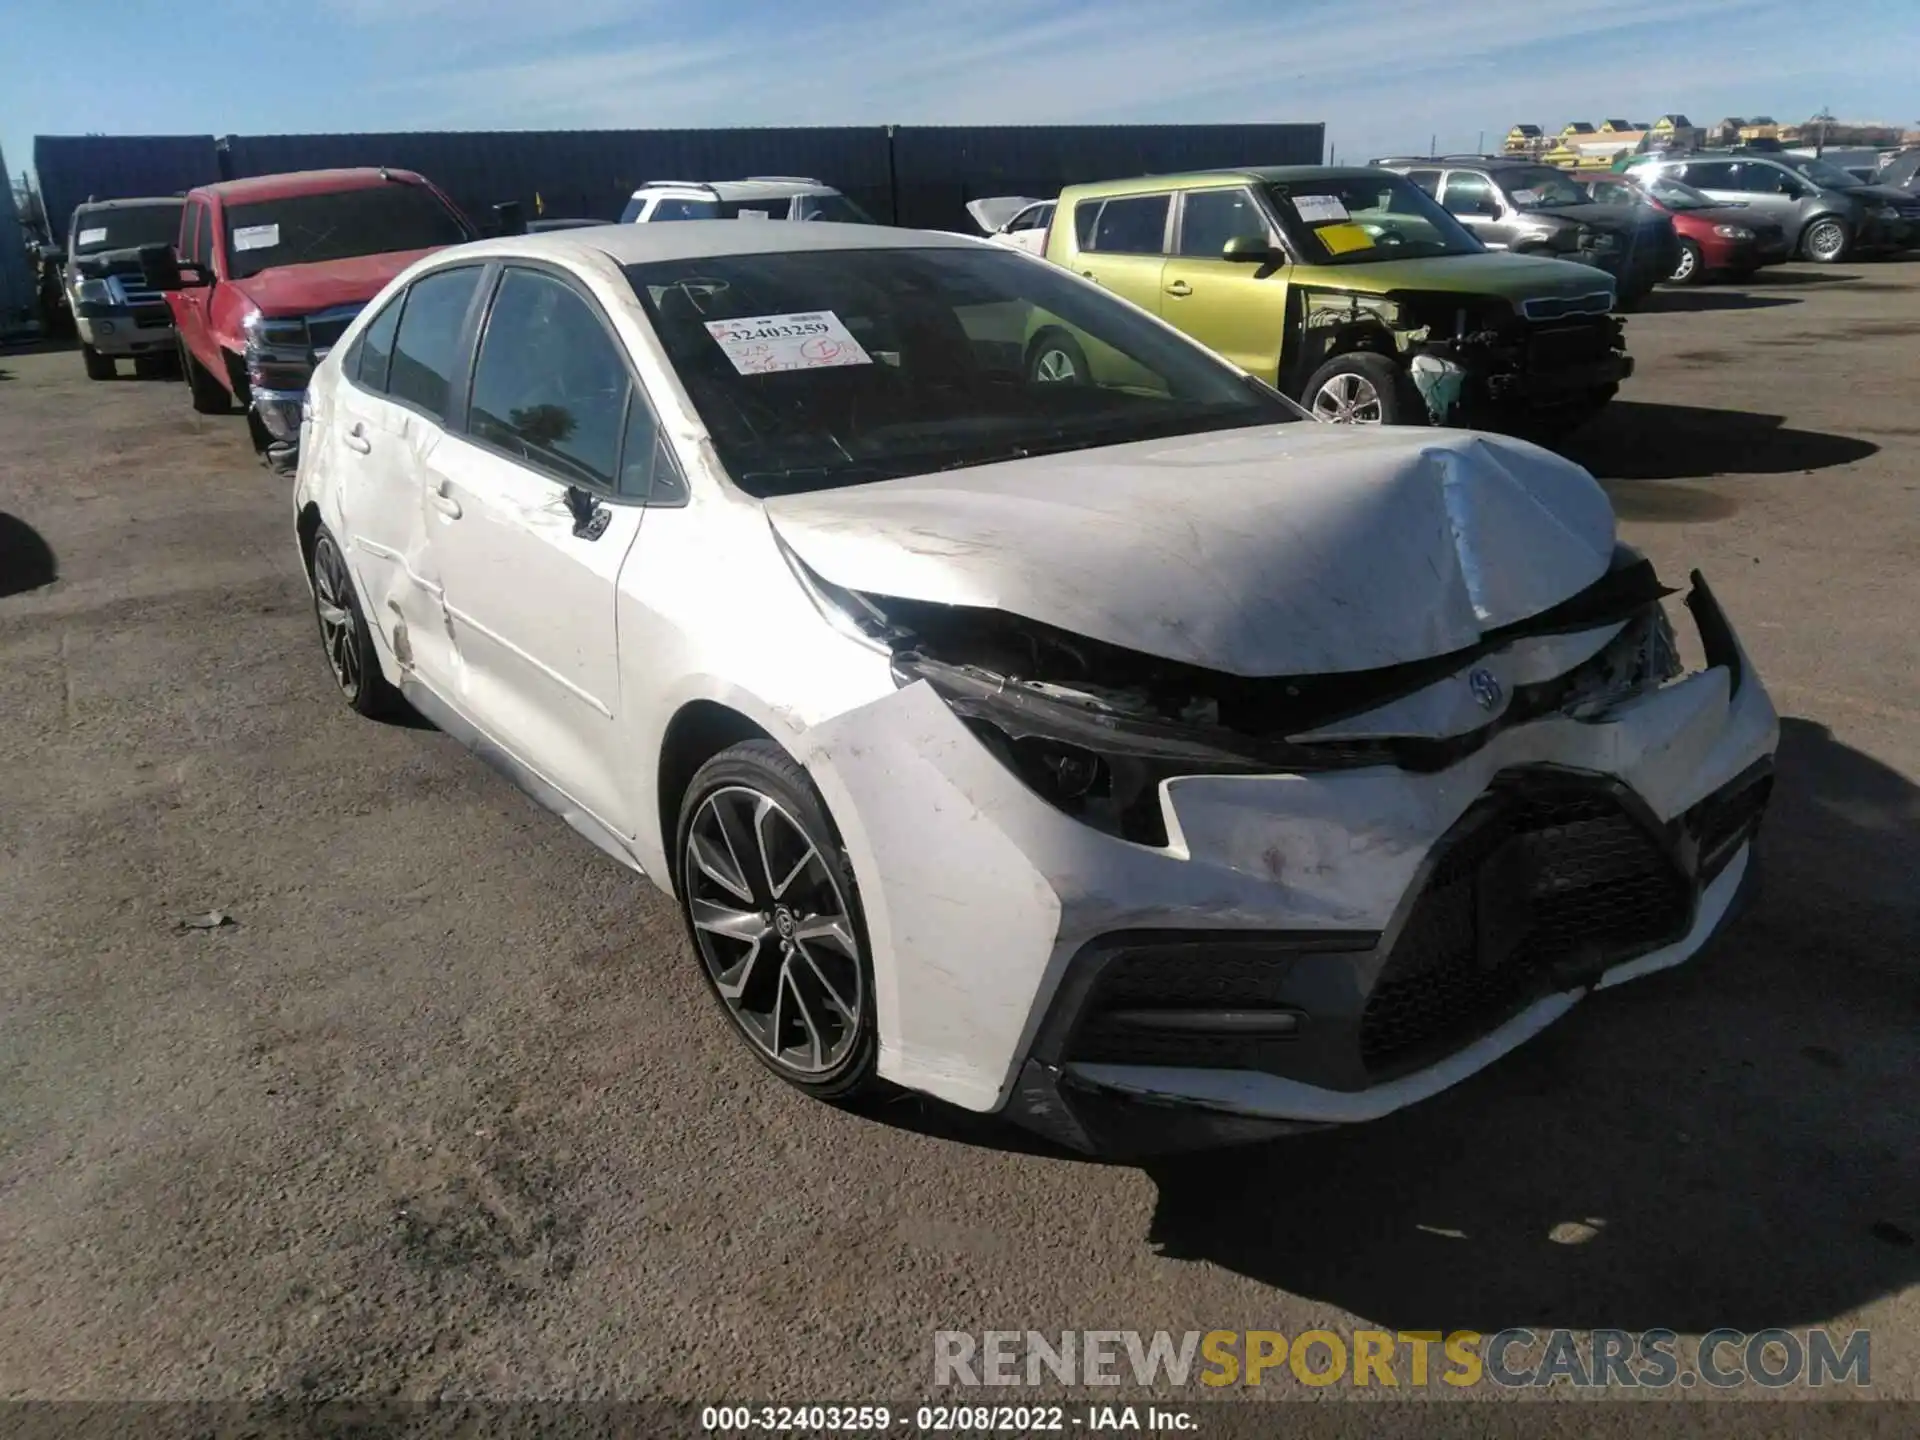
(1055, 366)
(333, 604)
(1348, 399)
(774, 931)
(1684, 270)
(1826, 240)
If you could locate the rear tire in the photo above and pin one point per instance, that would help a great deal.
(796, 959)
(1363, 387)
(1692, 266)
(99, 367)
(344, 634)
(1055, 358)
(208, 394)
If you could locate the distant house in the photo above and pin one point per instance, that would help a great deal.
(1575, 127)
(1616, 127)
(1727, 132)
(1525, 140)
(1675, 131)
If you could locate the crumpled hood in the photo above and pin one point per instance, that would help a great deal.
(303, 289)
(993, 212)
(1286, 550)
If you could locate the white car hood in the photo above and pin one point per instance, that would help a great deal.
(1286, 550)
(990, 214)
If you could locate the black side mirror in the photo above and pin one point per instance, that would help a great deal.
(161, 269)
(510, 218)
(1248, 250)
(589, 516)
(1487, 206)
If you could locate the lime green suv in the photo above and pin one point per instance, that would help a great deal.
(1350, 290)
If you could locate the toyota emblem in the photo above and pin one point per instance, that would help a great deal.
(1486, 689)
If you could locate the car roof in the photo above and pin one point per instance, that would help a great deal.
(130, 203)
(764, 189)
(257, 188)
(1194, 179)
(704, 239)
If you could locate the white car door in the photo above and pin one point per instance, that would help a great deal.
(389, 417)
(532, 512)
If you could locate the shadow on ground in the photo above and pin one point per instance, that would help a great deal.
(1674, 301)
(1636, 440)
(26, 560)
(1730, 1143)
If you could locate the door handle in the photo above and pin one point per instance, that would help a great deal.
(356, 440)
(1179, 287)
(443, 502)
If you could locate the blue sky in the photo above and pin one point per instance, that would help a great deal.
(1383, 74)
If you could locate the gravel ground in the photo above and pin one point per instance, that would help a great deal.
(446, 1111)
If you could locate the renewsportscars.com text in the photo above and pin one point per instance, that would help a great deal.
(1609, 1359)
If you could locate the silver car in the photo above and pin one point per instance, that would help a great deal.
(118, 315)
(1827, 214)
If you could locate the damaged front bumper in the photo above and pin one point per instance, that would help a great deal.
(1303, 949)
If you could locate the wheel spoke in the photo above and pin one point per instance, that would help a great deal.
(827, 927)
(834, 998)
(738, 840)
(747, 925)
(732, 981)
(816, 1052)
(715, 855)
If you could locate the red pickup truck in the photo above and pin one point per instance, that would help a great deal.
(268, 272)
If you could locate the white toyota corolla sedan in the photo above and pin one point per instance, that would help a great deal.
(1127, 754)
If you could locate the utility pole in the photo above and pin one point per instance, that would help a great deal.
(1480, 144)
(1433, 145)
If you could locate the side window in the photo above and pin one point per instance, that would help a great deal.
(551, 384)
(1467, 193)
(194, 226)
(1765, 180)
(1710, 174)
(1210, 218)
(632, 212)
(647, 468)
(674, 208)
(375, 350)
(1135, 225)
(1033, 217)
(1085, 216)
(1427, 180)
(427, 347)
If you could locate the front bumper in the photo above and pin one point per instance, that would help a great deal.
(119, 331)
(991, 915)
(278, 415)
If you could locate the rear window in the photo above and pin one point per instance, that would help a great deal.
(1136, 225)
(305, 229)
(124, 227)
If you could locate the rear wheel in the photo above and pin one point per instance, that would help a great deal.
(1826, 240)
(1690, 269)
(1363, 388)
(99, 367)
(209, 395)
(344, 633)
(774, 915)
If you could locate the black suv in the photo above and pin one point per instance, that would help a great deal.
(1535, 209)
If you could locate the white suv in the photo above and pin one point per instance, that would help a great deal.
(759, 197)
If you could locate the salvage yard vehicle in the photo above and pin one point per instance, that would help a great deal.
(1350, 290)
(1715, 239)
(1535, 209)
(759, 197)
(1827, 214)
(267, 272)
(1147, 763)
(116, 313)
(1014, 221)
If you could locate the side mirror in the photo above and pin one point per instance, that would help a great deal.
(160, 267)
(1248, 250)
(510, 218)
(1487, 206)
(589, 516)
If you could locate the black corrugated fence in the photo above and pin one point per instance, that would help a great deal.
(910, 175)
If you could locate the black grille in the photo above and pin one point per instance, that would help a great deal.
(1558, 345)
(1722, 822)
(324, 333)
(1540, 875)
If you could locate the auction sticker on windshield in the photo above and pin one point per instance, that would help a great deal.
(90, 237)
(1319, 209)
(767, 344)
(1526, 197)
(256, 237)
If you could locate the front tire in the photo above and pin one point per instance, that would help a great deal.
(1364, 388)
(344, 633)
(1691, 268)
(1055, 358)
(99, 367)
(1826, 241)
(209, 395)
(773, 913)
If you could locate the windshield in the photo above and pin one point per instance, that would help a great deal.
(814, 369)
(1535, 186)
(830, 207)
(1356, 219)
(1821, 173)
(1678, 196)
(302, 229)
(125, 226)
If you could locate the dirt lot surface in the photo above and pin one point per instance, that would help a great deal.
(446, 1111)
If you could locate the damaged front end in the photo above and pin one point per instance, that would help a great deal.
(1475, 360)
(1095, 728)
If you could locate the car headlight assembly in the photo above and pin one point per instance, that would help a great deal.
(94, 292)
(1733, 232)
(1885, 212)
